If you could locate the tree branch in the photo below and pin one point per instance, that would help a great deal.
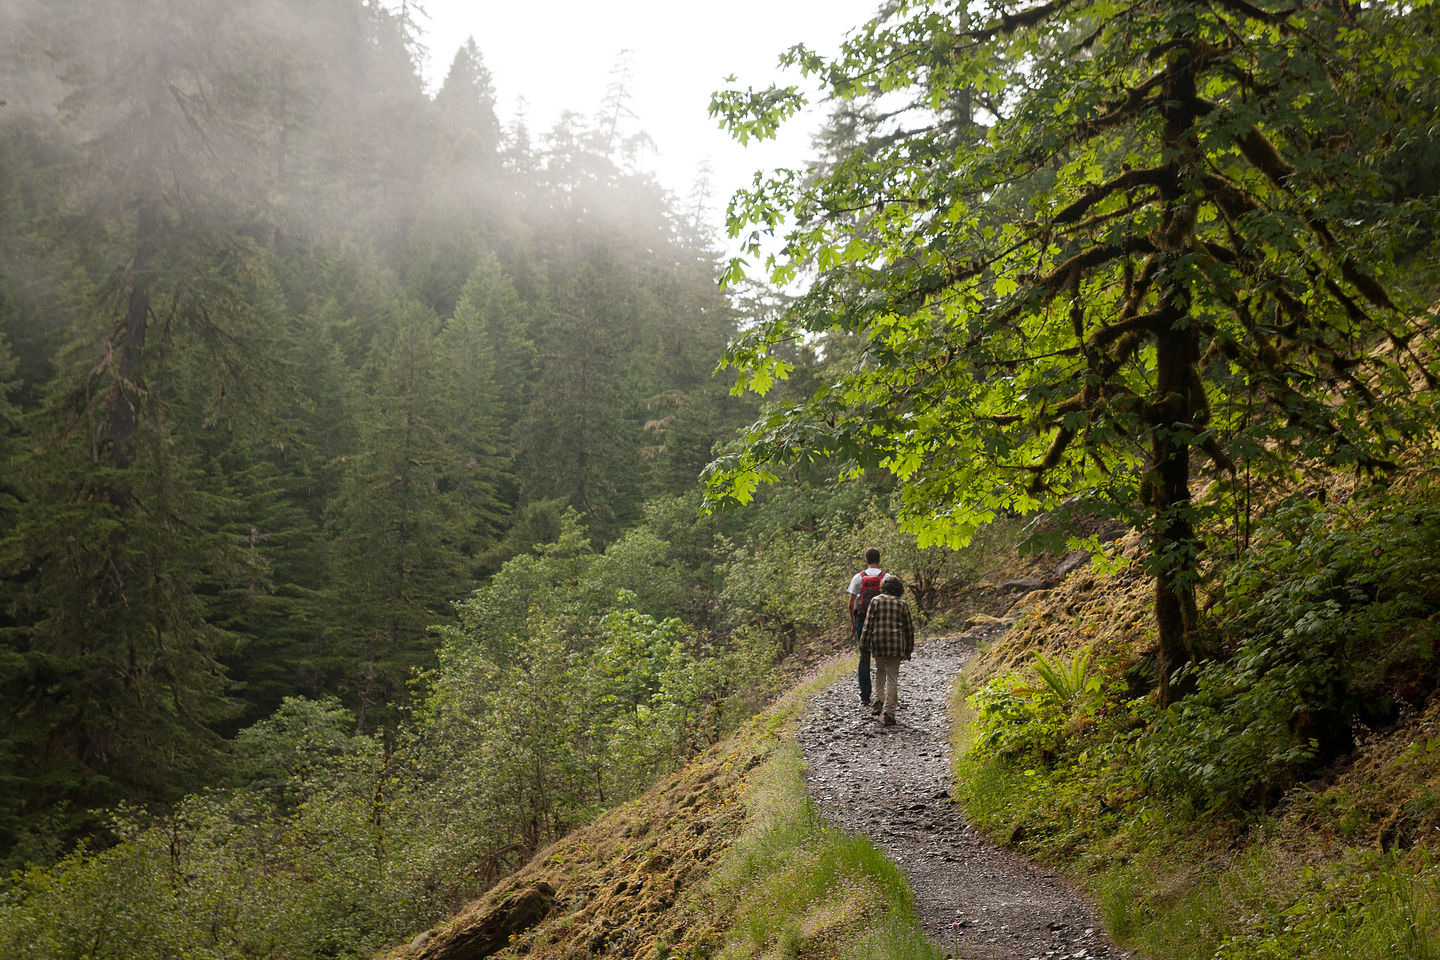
(1145, 323)
(1153, 176)
(1010, 22)
(1245, 9)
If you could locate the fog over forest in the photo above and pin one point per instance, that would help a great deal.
(292, 357)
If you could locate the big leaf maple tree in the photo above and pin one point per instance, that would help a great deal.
(1090, 249)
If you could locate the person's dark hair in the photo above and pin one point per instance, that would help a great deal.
(892, 586)
(872, 556)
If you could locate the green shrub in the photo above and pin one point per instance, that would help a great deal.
(1023, 721)
(1321, 625)
(1014, 724)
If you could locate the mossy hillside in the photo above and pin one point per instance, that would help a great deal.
(1109, 612)
(726, 858)
(1254, 843)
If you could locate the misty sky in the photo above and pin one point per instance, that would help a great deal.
(560, 55)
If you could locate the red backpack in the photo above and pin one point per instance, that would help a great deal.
(869, 590)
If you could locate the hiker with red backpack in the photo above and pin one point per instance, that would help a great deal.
(864, 587)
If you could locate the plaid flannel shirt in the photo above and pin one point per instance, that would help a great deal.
(888, 631)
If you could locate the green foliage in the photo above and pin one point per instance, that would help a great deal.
(1172, 885)
(1022, 722)
(86, 914)
(287, 757)
(1075, 250)
(1377, 907)
(562, 686)
(1262, 906)
(1229, 747)
(593, 693)
(1067, 683)
(1013, 723)
(338, 844)
(962, 281)
(1326, 622)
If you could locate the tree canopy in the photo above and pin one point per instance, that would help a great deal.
(1081, 248)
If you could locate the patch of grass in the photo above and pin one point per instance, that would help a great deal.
(1260, 906)
(795, 888)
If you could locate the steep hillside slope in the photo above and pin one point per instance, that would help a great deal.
(725, 858)
(622, 884)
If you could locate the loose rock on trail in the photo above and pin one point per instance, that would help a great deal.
(892, 784)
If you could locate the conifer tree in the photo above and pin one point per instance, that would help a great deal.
(123, 530)
(465, 105)
(471, 345)
(417, 499)
(581, 437)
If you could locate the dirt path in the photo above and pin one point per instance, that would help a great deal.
(974, 899)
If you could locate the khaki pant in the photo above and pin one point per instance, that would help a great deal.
(887, 678)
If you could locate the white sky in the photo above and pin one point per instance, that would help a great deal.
(561, 54)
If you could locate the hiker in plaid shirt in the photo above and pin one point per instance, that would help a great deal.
(889, 637)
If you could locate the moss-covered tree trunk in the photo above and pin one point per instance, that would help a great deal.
(1178, 394)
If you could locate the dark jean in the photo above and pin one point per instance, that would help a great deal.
(862, 674)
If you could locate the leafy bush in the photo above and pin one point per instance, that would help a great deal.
(1024, 722)
(1013, 724)
(288, 756)
(1324, 624)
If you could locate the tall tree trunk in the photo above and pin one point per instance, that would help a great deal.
(1174, 543)
(124, 414)
(1175, 546)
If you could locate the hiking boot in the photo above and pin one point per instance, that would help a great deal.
(875, 710)
(889, 720)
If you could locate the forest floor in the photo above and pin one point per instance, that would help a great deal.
(892, 784)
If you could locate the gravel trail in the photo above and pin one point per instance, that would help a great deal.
(975, 900)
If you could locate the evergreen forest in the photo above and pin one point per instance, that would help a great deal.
(389, 490)
(294, 357)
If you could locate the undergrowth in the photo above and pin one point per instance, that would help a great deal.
(1262, 817)
(1177, 886)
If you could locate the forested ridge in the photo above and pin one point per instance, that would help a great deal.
(294, 356)
(352, 550)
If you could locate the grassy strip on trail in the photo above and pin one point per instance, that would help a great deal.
(793, 887)
(796, 887)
